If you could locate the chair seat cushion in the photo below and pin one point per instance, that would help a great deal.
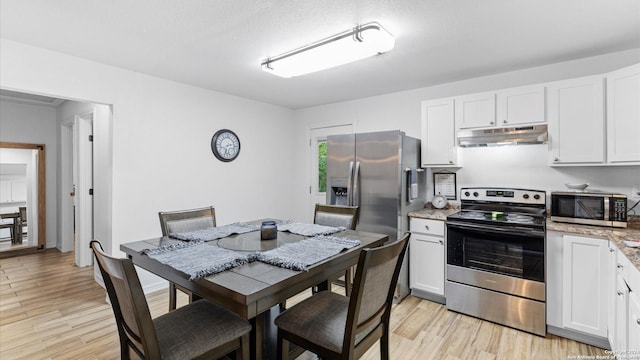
(321, 319)
(194, 329)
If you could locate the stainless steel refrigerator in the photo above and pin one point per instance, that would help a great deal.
(379, 172)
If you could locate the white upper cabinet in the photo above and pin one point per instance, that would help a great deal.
(475, 110)
(438, 133)
(576, 121)
(522, 105)
(623, 116)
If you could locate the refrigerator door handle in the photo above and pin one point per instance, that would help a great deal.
(356, 185)
(350, 185)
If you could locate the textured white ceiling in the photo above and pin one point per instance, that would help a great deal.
(219, 44)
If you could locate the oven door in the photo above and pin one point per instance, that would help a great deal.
(508, 260)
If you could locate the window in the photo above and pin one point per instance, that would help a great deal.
(322, 166)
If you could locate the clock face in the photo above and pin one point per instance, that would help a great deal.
(439, 201)
(225, 145)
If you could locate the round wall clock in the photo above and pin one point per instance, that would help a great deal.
(439, 201)
(225, 145)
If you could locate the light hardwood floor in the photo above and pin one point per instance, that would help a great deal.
(51, 309)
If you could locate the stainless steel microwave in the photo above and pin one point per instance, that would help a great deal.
(589, 208)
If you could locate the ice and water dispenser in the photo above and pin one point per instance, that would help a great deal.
(338, 191)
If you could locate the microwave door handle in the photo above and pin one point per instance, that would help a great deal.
(586, 209)
(350, 185)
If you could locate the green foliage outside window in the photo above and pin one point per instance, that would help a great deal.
(322, 166)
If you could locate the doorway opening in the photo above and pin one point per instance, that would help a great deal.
(318, 162)
(22, 198)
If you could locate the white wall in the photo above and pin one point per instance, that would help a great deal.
(161, 133)
(513, 166)
(35, 124)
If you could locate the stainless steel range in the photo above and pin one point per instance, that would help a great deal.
(495, 257)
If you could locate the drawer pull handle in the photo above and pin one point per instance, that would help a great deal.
(620, 293)
(638, 321)
(426, 227)
(620, 266)
(612, 250)
(442, 243)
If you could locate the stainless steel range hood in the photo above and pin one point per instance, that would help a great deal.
(535, 134)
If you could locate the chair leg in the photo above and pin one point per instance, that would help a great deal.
(348, 282)
(172, 296)
(243, 352)
(384, 346)
(283, 347)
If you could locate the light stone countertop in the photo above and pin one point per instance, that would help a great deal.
(431, 213)
(617, 235)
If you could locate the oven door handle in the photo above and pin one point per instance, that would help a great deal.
(496, 230)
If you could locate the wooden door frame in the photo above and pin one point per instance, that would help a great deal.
(42, 188)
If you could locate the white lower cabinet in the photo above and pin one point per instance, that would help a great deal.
(426, 258)
(584, 298)
(633, 321)
(577, 283)
(620, 333)
(625, 332)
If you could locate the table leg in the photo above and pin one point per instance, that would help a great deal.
(17, 230)
(264, 335)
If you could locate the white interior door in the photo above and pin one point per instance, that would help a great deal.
(317, 163)
(83, 181)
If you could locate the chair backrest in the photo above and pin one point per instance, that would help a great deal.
(23, 214)
(372, 295)
(172, 222)
(335, 215)
(130, 308)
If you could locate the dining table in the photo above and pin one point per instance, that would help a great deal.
(255, 290)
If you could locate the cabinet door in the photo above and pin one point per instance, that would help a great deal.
(584, 300)
(438, 133)
(5, 191)
(576, 121)
(523, 105)
(476, 110)
(426, 261)
(553, 262)
(620, 341)
(623, 115)
(612, 295)
(19, 191)
(634, 324)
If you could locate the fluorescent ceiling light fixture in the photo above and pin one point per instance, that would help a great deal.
(358, 43)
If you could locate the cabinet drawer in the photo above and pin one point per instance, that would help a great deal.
(427, 226)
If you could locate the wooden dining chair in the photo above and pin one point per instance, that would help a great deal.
(172, 222)
(335, 215)
(200, 329)
(11, 228)
(334, 326)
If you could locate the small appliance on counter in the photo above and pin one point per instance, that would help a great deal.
(589, 208)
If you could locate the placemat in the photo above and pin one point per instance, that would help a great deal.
(309, 229)
(299, 255)
(214, 233)
(196, 258)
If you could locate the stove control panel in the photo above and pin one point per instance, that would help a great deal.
(520, 196)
